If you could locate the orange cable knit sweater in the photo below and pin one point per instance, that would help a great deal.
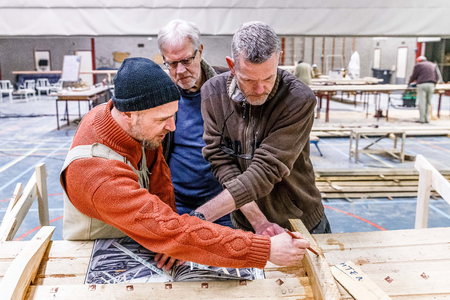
(108, 190)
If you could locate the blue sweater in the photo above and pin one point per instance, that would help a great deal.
(192, 178)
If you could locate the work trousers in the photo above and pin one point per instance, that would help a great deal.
(425, 92)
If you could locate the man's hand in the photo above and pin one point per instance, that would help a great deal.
(269, 229)
(259, 221)
(285, 250)
(164, 261)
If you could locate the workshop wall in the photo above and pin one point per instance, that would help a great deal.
(17, 54)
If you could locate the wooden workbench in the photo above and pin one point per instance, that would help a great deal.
(406, 264)
(328, 91)
(89, 95)
(358, 133)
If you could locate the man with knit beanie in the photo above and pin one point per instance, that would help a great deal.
(117, 183)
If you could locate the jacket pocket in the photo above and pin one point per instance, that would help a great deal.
(291, 209)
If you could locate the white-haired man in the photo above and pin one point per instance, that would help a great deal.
(257, 124)
(193, 180)
(426, 76)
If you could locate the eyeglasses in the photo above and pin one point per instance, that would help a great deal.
(185, 62)
(227, 147)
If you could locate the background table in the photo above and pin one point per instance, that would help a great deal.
(395, 134)
(92, 94)
(375, 89)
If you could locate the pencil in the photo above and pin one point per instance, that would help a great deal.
(309, 248)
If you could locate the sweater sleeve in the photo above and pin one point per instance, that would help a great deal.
(108, 190)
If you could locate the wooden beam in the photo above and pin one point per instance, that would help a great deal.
(293, 51)
(20, 210)
(322, 282)
(332, 57)
(286, 289)
(23, 269)
(303, 50)
(323, 54)
(439, 183)
(15, 197)
(423, 198)
(343, 51)
(41, 187)
(357, 283)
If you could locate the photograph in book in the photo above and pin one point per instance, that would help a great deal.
(123, 260)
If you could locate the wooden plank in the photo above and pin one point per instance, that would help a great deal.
(369, 189)
(383, 239)
(20, 210)
(371, 172)
(66, 262)
(382, 178)
(423, 198)
(290, 289)
(58, 249)
(438, 252)
(356, 282)
(274, 271)
(411, 278)
(23, 269)
(41, 186)
(347, 184)
(15, 197)
(369, 195)
(322, 282)
(441, 185)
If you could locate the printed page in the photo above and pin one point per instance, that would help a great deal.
(123, 261)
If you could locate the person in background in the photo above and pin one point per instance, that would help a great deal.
(258, 120)
(304, 72)
(316, 71)
(116, 182)
(193, 180)
(425, 75)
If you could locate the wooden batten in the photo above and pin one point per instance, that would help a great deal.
(322, 282)
(24, 268)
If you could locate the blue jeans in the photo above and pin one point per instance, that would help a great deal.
(322, 227)
(224, 221)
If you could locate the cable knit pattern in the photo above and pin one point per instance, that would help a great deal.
(108, 190)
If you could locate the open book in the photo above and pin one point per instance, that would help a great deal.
(125, 261)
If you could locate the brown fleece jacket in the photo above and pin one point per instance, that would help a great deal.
(280, 176)
(108, 190)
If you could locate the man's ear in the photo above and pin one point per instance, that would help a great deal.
(230, 63)
(200, 50)
(127, 117)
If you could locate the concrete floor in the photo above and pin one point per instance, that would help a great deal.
(28, 136)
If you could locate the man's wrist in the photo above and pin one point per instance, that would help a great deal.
(198, 215)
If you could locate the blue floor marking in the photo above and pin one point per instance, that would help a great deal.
(439, 211)
(15, 179)
(35, 209)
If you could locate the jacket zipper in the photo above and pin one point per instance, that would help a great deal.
(246, 138)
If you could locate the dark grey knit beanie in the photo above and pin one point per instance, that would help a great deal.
(141, 84)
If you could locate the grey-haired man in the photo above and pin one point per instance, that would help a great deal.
(257, 124)
(193, 180)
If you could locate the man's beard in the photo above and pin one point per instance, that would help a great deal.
(150, 144)
(259, 101)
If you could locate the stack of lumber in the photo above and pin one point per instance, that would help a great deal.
(367, 183)
(410, 131)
